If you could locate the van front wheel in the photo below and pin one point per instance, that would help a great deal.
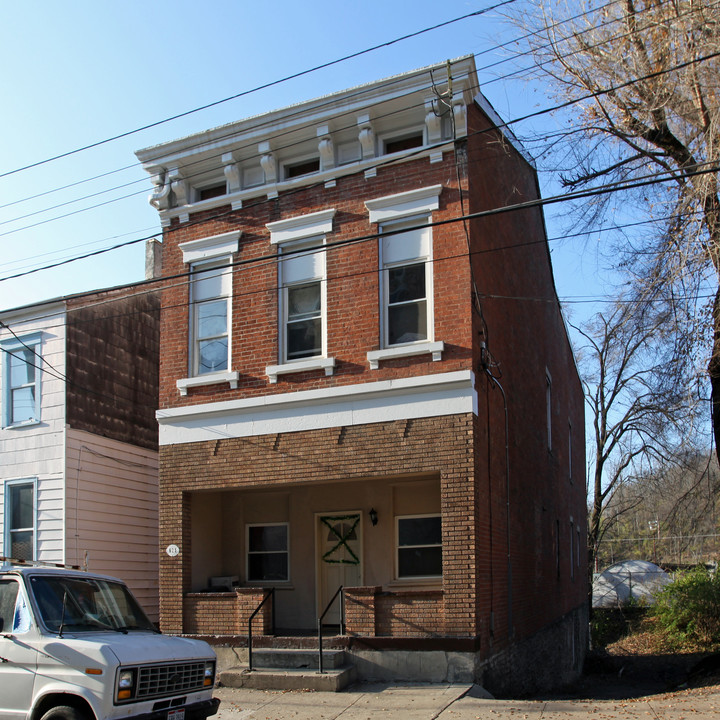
(64, 712)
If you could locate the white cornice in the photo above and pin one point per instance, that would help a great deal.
(336, 173)
(361, 404)
(317, 111)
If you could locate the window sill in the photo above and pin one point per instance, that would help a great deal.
(210, 379)
(435, 349)
(24, 424)
(326, 364)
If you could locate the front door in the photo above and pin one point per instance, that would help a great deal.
(339, 546)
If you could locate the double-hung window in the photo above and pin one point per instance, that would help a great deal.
(20, 519)
(407, 325)
(302, 283)
(21, 364)
(210, 283)
(267, 553)
(406, 282)
(302, 277)
(419, 546)
(209, 260)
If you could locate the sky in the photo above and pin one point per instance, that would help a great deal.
(81, 72)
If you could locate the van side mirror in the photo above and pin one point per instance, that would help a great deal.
(2, 623)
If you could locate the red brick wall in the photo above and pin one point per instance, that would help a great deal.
(401, 614)
(352, 288)
(525, 337)
(226, 613)
(431, 446)
(500, 580)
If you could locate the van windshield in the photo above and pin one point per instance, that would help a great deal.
(72, 604)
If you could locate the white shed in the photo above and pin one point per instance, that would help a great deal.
(630, 579)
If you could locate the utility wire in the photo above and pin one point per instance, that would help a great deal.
(273, 83)
(389, 82)
(361, 91)
(592, 95)
(654, 178)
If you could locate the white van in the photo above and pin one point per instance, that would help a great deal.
(78, 646)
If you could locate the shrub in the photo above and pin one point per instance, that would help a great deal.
(688, 609)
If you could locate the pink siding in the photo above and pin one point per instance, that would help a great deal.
(111, 512)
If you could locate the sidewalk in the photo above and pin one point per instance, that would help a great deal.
(370, 701)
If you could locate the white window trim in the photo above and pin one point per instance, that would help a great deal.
(210, 247)
(230, 376)
(390, 351)
(297, 366)
(407, 132)
(7, 543)
(398, 518)
(34, 342)
(375, 357)
(282, 308)
(247, 550)
(195, 252)
(302, 227)
(405, 204)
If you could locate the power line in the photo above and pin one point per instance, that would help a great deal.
(265, 86)
(361, 91)
(389, 82)
(592, 95)
(536, 203)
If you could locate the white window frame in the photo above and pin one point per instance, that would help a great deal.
(314, 246)
(213, 269)
(398, 519)
(398, 135)
(12, 347)
(416, 206)
(248, 526)
(9, 530)
(294, 233)
(386, 266)
(216, 249)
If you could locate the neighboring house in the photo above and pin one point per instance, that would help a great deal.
(359, 388)
(78, 442)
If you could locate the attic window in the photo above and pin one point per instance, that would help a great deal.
(212, 192)
(302, 168)
(404, 143)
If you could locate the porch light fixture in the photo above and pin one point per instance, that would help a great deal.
(373, 516)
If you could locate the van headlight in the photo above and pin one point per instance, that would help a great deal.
(209, 679)
(125, 685)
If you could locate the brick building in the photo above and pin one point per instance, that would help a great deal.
(359, 388)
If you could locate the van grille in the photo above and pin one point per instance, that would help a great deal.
(159, 680)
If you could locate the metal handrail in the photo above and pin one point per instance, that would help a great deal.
(270, 593)
(341, 593)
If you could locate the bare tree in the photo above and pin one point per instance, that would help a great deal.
(642, 80)
(642, 411)
(668, 515)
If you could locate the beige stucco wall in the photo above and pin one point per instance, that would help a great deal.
(219, 522)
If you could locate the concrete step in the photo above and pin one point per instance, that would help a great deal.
(333, 680)
(297, 658)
